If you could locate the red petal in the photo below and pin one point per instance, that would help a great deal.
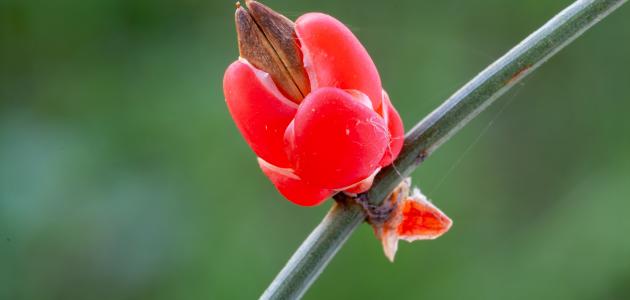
(396, 131)
(334, 57)
(363, 185)
(292, 188)
(259, 110)
(335, 141)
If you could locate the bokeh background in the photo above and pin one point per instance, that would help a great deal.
(122, 175)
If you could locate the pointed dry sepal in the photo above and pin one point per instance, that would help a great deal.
(266, 39)
(413, 218)
(280, 32)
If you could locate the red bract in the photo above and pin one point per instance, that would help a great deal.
(335, 138)
(413, 217)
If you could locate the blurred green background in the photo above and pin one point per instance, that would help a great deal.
(122, 175)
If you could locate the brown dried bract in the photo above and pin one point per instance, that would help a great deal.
(267, 40)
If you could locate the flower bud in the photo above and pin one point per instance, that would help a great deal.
(308, 100)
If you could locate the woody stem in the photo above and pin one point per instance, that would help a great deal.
(323, 243)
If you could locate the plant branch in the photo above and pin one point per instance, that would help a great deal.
(430, 133)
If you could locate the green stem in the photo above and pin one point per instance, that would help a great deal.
(430, 133)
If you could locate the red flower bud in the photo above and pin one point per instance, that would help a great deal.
(334, 138)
